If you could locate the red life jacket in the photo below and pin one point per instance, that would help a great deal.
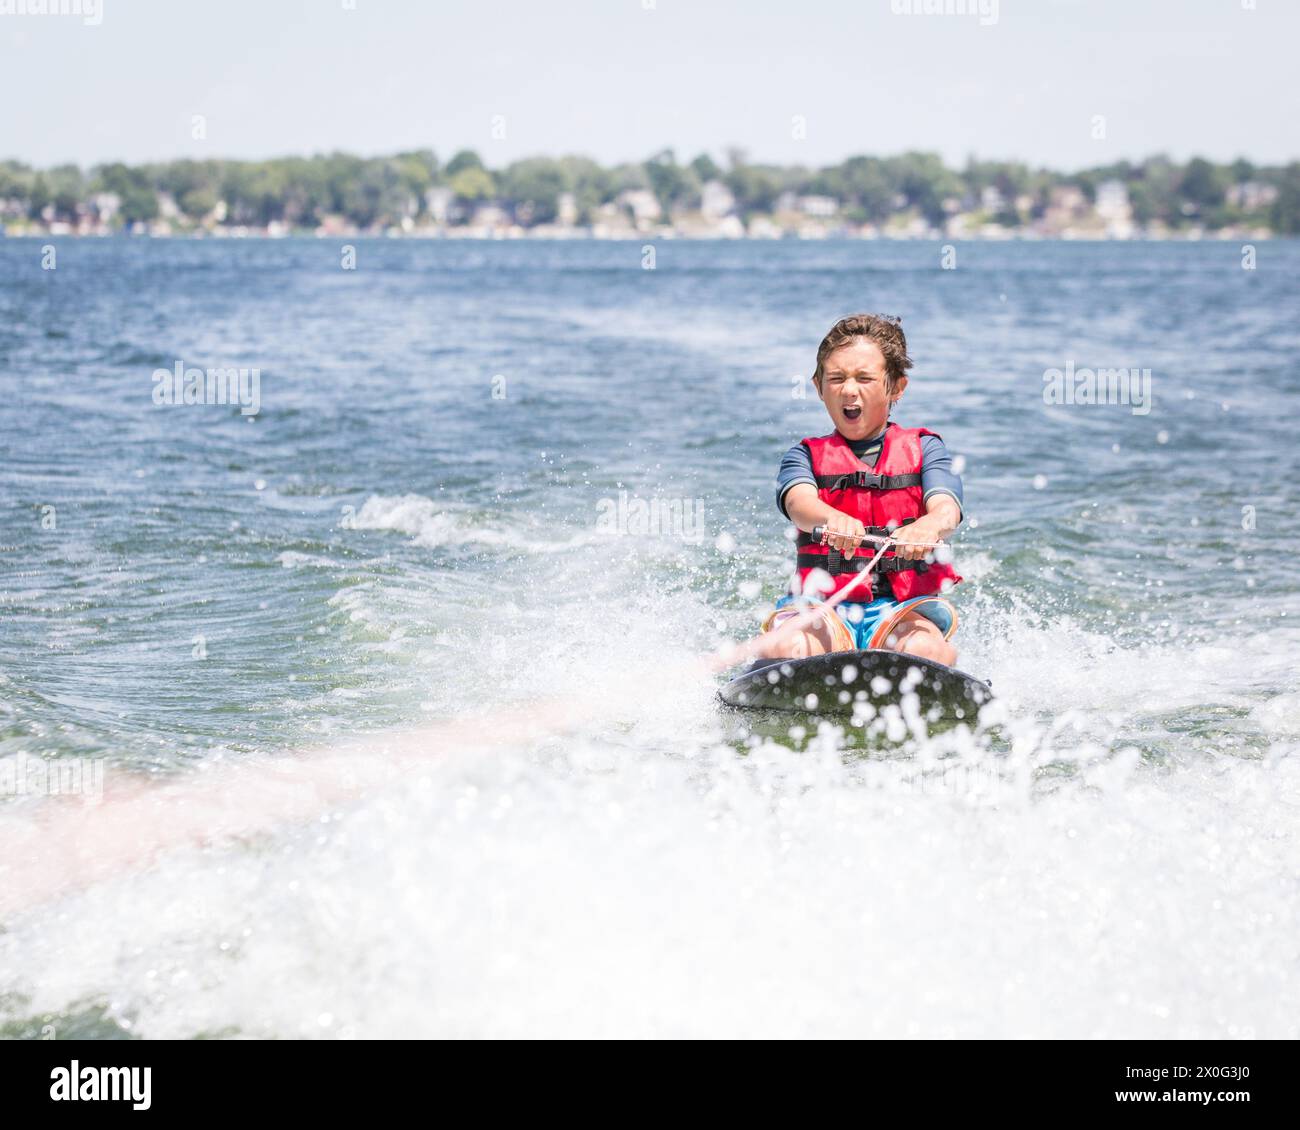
(882, 499)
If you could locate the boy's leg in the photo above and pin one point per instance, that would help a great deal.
(915, 634)
(825, 635)
(908, 631)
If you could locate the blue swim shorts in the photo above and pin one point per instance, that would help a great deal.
(864, 620)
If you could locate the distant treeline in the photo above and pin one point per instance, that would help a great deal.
(300, 192)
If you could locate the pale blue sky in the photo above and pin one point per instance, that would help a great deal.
(612, 80)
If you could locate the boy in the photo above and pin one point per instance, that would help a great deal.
(868, 477)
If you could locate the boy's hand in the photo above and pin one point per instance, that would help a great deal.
(843, 533)
(929, 528)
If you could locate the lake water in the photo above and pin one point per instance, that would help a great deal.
(407, 543)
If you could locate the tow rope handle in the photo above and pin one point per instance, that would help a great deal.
(819, 535)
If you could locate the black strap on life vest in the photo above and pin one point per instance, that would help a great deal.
(867, 480)
(834, 563)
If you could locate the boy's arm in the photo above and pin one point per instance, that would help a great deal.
(942, 516)
(943, 500)
(938, 472)
(796, 496)
(806, 511)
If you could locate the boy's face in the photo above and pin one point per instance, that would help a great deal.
(853, 389)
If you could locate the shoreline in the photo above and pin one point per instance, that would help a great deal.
(1224, 236)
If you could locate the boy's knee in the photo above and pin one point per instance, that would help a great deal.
(928, 645)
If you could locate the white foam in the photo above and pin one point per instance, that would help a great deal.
(1119, 860)
(420, 518)
(577, 888)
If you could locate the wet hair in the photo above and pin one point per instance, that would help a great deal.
(884, 330)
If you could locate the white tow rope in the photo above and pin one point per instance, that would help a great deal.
(732, 654)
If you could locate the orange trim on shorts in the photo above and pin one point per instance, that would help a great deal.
(841, 638)
(887, 625)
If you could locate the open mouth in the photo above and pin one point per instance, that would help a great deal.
(852, 413)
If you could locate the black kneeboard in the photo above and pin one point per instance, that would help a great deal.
(831, 684)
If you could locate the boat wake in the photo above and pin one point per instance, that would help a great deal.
(616, 863)
(578, 841)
